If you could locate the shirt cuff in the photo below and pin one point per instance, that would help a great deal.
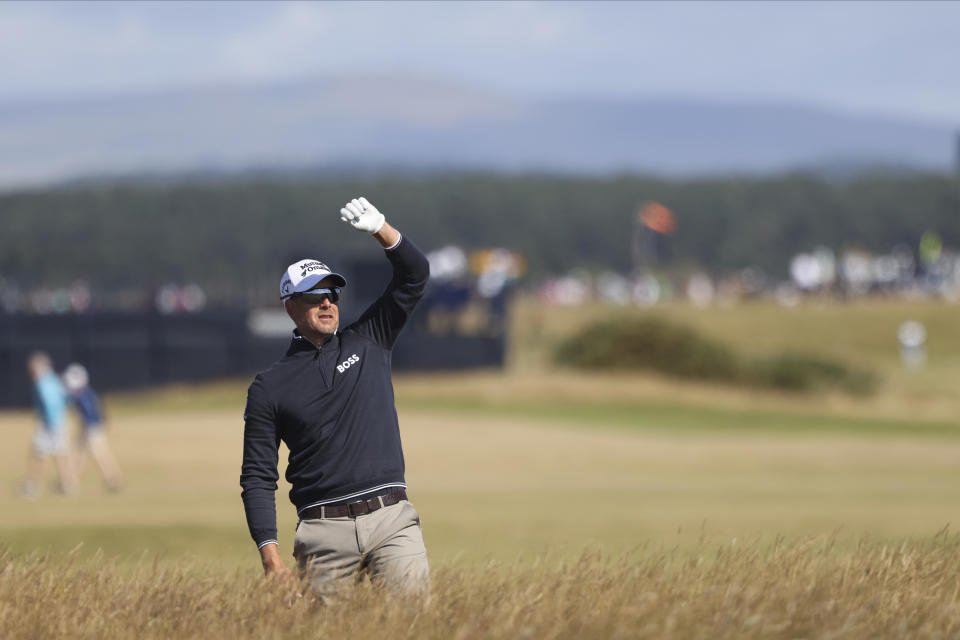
(266, 542)
(394, 245)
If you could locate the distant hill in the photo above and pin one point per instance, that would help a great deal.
(380, 122)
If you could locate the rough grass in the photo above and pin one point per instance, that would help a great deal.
(779, 590)
(665, 347)
(649, 343)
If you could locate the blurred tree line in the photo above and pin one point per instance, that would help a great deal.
(243, 231)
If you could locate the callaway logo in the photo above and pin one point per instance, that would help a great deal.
(285, 286)
(349, 362)
(312, 266)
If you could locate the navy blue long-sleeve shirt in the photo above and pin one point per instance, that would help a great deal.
(334, 408)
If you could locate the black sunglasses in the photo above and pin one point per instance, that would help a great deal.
(316, 296)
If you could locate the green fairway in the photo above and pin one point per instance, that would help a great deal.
(674, 418)
(506, 481)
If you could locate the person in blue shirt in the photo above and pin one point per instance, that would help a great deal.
(50, 436)
(93, 439)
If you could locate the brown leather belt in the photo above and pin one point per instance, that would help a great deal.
(354, 509)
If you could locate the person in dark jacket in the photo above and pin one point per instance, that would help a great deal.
(93, 438)
(330, 399)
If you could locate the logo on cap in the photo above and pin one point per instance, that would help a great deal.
(303, 274)
(312, 266)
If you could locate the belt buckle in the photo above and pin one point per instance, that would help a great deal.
(358, 504)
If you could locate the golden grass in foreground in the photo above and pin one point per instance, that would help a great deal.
(777, 590)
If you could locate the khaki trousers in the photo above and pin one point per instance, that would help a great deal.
(387, 545)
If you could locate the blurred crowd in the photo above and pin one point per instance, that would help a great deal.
(930, 271)
(80, 297)
(485, 271)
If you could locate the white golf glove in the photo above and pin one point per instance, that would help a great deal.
(362, 215)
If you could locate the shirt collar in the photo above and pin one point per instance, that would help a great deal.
(302, 343)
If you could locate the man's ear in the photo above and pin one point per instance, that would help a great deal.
(288, 305)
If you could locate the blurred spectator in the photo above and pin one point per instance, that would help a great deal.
(50, 437)
(93, 440)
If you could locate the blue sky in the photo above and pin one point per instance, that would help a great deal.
(893, 58)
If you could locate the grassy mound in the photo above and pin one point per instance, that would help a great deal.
(799, 372)
(654, 344)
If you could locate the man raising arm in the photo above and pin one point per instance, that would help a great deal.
(330, 399)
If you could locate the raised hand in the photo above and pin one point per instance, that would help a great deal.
(362, 215)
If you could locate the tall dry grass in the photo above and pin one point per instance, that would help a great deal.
(800, 589)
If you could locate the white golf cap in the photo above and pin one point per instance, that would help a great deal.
(304, 275)
(75, 377)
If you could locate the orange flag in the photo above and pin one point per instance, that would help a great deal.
(657, 217)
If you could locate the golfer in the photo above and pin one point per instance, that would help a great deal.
(330, 399)
(50, 436)
(93, 439)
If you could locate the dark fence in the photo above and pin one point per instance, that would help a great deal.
(132, 351)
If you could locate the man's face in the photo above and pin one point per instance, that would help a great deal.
(316, 321)
(37, 366)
